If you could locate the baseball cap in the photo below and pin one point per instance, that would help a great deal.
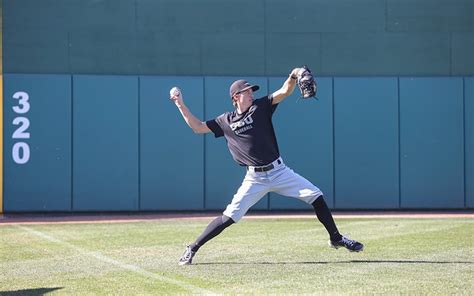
(241, 85)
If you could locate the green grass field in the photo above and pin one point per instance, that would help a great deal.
(271, 256)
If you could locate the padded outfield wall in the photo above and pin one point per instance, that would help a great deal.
(116, 143)
(87, 125)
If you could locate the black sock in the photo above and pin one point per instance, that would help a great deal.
(325, 217)
(213, 229)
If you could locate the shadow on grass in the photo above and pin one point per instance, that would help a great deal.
(32, 292)
(343, 262)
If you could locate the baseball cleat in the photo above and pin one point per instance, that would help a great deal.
(351, 245)
(187, 257)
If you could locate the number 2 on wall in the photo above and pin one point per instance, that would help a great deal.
(21, 150)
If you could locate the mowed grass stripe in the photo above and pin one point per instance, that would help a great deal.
(257, 257)
(125, 266)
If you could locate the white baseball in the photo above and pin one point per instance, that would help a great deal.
(175, 91)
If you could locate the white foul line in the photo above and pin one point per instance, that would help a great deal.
(122, 265)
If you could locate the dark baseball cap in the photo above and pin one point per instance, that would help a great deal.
(241, 85)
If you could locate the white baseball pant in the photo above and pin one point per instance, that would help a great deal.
(281, 179)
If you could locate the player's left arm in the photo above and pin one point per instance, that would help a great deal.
(287, 88)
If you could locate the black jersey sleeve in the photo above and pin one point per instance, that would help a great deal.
(273, 107)
(214, 126)
(267, 103)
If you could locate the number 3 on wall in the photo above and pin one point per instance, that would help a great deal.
(24, 106)
(21, 150)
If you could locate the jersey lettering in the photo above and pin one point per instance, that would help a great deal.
(241, 123)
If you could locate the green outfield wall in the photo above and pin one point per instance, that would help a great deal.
(87, 124)
(116, 143)
(244, 37)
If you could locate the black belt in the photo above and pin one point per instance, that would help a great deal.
(265, 168)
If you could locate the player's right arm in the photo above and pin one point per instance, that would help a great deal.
(195, 124)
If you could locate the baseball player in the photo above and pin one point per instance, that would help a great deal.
(252, 142)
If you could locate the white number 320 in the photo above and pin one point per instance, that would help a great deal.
(21, 150)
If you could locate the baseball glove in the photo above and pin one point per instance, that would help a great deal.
(306, 83)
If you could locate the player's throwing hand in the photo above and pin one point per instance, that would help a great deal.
(176, 96)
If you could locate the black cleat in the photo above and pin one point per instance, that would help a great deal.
(351, 245)
(187, 257)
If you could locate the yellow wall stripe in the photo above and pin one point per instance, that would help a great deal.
(1, 144)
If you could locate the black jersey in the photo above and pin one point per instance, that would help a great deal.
(250, 136)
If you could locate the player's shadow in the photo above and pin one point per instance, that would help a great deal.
(32, 292)
(342, 262)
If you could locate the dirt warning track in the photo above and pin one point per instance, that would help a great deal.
(140, 217)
